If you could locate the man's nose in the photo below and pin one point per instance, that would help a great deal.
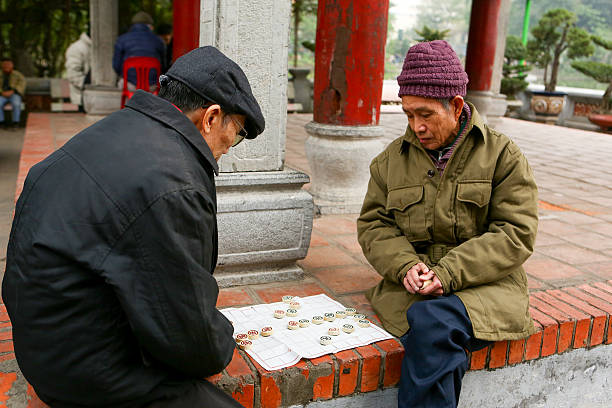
(419, 126)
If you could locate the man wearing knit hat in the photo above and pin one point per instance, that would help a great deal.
(109, 273)
(449, 218)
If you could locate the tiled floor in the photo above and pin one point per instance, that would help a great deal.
(574, 175)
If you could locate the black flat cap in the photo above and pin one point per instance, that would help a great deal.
(216, 78)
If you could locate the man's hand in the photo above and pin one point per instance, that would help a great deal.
(8, 93)
(417, 275)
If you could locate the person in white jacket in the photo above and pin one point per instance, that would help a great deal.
(78, 65)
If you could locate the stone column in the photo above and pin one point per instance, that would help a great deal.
(265, 218)
(102, 97)
(349, 70)
(485, 57)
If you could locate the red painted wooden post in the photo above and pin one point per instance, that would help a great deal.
(350, 61)
(186, 27)
(482, 42)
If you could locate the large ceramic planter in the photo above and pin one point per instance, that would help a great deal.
(604, 121)
(547, 105)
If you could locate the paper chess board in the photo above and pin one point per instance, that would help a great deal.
(286, 347)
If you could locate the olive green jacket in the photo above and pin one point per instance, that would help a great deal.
(481, 214)
(17, 82)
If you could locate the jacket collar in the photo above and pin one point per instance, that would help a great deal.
(139, 27)
(163, 111)
(476, 126)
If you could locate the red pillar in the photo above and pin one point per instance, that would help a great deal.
(186, 26)
(350, 61)
(482, 42)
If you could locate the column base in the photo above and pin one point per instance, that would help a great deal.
(101, 100)
(340, 157)
(264, 222)
(490, 106)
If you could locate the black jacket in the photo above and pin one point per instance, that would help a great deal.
(109, 280)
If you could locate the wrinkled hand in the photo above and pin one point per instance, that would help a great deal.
(415, 278)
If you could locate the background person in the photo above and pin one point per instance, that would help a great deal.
(452, 203)
(78, 67)
(109, 282)
(13, 90)
(139, 41)
(164, 31)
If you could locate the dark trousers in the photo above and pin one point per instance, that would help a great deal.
(201, 395)
(435, 359)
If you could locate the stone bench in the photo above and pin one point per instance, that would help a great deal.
(567, 320)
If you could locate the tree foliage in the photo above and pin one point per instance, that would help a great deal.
(556, 33)
(300, 9)
(600, 72)
(431, 34)
(514, 71)
(36, 33)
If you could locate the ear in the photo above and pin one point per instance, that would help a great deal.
(457, 104)
(211, 114)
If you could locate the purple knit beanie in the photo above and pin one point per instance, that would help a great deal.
(432, 70)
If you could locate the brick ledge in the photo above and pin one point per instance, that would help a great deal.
(566, 319)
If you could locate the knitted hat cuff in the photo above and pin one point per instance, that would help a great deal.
(432, 91)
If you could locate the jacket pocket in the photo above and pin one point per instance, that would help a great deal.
(472, 207)
(407, 206)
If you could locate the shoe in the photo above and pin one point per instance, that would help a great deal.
(14, 125)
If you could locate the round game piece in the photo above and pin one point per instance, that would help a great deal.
(240, 337)
(348, 328)
(325, 340)
(304, 322)
(253, 334)
(292, 312)
(317, 319)
(267, 331)
(330, 317)
(358, 317)
(279, 314)
(245, 344)
(363, 323)
(350, 311)
(293, 325)
(333, 331)
(287, 298)
(295, 305)
(340, 314)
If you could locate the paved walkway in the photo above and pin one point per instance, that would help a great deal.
(574, 175)
(574, 249)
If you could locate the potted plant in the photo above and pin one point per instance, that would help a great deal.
(600, 72)
(514, 72)
(555, 33)
(427, 34)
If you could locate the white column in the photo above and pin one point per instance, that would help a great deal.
(265, 218)
(102, 97)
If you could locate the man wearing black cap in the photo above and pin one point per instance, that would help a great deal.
(109, 280)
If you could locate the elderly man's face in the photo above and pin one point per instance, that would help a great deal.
(7, 66)
(434, 125)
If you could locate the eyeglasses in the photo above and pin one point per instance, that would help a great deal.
(242, 133)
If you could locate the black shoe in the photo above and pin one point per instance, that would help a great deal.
(14, 125)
